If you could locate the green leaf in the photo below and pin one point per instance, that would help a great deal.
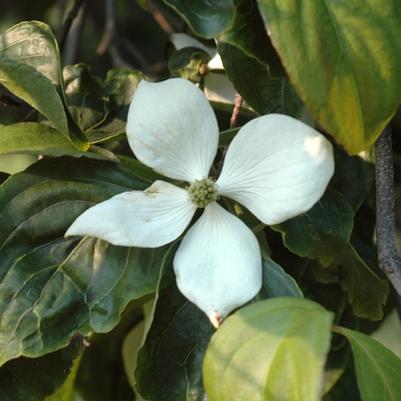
(33, 379)
(344, 59)
(253, 81)
(366, 291)
(169, 364)
(52, 288)
(250, 63)
(32, 43)
(206, 19)
(37, 90)
(378, 370)
(277, 283)
(273, 350)
(322, 232)
(40, 139)
(248, 34)
(353, 177)
(140, 170)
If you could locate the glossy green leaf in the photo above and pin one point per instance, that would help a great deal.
(40, 139)
(32, 43)
(140, 170)
(27, 379)
(322, 232)
(378, 370)
(37, 90)
(205, 18)
(366, 291)
(52, 288)
(169, 364)
(273, 350)
(278, 283)
(344, 59)
(253, 81)
(252, 64)
(248, 34)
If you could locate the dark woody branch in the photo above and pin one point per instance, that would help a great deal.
(388, 257)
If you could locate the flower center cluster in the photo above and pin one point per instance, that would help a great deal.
(203, 192)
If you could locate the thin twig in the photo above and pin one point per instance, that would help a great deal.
(68, 22)
(137, 55)
(110, 29)
(160, 18)
(62, 5)
(236, 110)
(389, 259)
(73, 42)
(109, 41)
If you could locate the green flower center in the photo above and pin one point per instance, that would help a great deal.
(203, 192)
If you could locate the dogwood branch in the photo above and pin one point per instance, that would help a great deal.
(389, 259)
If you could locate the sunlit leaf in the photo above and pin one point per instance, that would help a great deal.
(273, 350)
(378, 370)
(344, 59)
(40, 139)
(32, 43)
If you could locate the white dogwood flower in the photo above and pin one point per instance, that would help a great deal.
(276, 166)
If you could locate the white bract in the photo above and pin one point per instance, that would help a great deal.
(276, 166)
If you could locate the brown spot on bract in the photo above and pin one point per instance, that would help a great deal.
(216, 319)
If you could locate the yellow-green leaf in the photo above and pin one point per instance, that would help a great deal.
(272, 350)
(344, 59)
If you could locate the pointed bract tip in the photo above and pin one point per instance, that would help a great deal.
(216, 319)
